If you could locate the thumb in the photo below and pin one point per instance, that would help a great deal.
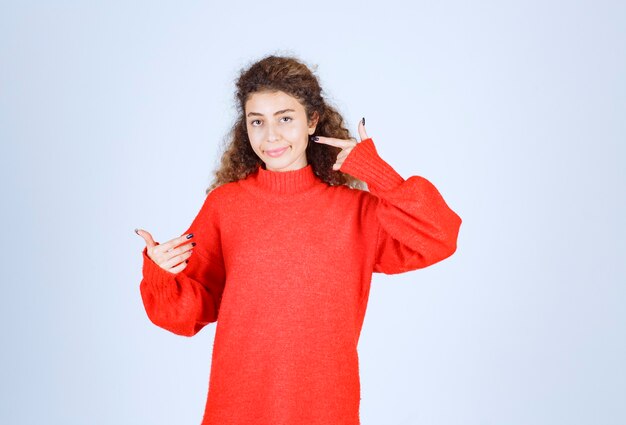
(146, 237)
(362, 133)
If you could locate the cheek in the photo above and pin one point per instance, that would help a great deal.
(255, 140)
(298, 134)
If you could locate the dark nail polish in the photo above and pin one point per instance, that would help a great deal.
(189, 236)
(137, 231)
(193, 244)
(186, 261)
(363, 120)
(316, 138)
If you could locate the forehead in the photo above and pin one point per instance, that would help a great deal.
(271, 101)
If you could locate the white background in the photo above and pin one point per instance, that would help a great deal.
(112, 116)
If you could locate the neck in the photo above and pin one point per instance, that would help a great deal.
(285, 182)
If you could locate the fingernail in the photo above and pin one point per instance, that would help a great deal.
(189, 236)
(186, 261)
(316, 138)
(363, 120)
(137, 231)
(193, 244)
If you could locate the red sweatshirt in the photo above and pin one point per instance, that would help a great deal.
(283, 263)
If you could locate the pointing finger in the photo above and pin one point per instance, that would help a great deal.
(171, 244)
(334, 142)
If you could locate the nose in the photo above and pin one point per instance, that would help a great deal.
(272, 133)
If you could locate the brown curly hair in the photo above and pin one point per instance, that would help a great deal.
(289, 75)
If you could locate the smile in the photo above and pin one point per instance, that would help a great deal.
(277, 152)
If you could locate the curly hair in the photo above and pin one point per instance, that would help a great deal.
(289, 75)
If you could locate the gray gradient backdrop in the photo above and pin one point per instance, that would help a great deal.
(112, 115)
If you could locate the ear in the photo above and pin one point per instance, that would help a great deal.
(313, 122)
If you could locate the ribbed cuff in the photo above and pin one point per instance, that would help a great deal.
(159, 281)
(364, 163)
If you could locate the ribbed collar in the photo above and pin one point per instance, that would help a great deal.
(285, 182)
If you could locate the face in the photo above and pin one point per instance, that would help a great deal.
(278, 130)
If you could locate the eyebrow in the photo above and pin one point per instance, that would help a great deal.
(275, 113)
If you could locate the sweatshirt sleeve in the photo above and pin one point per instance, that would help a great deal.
(185, 302)
(416, 228)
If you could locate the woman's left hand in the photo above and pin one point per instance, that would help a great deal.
(346, 145)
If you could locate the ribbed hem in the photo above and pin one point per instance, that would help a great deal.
(286, 182)
(364, 163)
(159, 281)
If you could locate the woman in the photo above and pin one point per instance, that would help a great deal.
(282, 252)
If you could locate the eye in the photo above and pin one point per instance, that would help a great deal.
(287, 118)
(253, 121)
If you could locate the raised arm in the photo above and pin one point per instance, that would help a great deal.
(416, 228)
(185, 302)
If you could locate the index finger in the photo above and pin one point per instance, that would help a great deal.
(171, 244)
(340, 143)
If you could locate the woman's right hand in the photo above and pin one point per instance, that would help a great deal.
(170, 256)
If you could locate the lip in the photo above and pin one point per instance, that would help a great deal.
(276, 152)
